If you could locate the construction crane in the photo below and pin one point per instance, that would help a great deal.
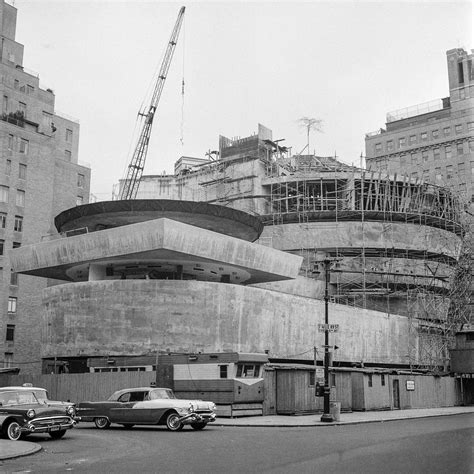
(137, 163)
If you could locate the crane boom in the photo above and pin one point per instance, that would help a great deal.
(137, 163)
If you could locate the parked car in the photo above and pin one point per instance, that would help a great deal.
(25, 410)
(148, 406)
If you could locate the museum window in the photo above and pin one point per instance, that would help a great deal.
(22, 171)
(4, 192)
(460, 148)
(12, 304)
(438, 174)
(435, 133)
(424, 155)
(414, 158)
(5, 104)
(460, 73)
(402, 160)
(3, 220)
(13, 279)
(458, 128)
(10, 336)
(16, 245)
(68, 135)
(8, 168)
(369, 380)
(412, 139)
(7, 359)
(382, 379)
(449, 171)
(378, 147)
(402, 142)
(470, 126)
(80, 180)
(471, 145)
(18, 224)
(424, 136)
(29, 89)
(16, 84)
(447, 151)
(2, 246)
(10, 142)
(461, 168)
(436, 153)
(22, 108)
(20, 198)
(446, 131)
(223, 371)
(24, 145)
(390, 145)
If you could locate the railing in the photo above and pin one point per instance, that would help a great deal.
(377, 132)
(414, 110)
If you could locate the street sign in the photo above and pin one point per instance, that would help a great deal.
(319, 373)
(328, 327)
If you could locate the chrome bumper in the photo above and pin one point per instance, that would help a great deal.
(32, 427)
(197, 418)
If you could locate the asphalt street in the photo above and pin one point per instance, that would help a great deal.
(435, 445)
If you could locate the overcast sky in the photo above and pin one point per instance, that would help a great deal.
(244, 63)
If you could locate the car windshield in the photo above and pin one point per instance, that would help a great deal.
(41, 395)
(20, 397)
(159, 393)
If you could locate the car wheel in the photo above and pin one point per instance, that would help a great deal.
(198, 426)
(173, 423)
(102, 422)
(13, 431)
(128, 426)
(57, 434)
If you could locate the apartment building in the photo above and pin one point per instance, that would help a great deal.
(39, 177)
(433, 141)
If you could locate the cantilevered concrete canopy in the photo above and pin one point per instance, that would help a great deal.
(155, 246)
(107, 214)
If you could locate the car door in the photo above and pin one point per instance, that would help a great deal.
(125, 412)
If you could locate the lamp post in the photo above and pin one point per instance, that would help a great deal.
(326, 416)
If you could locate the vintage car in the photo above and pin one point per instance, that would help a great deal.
(25, 410)
(147, 406)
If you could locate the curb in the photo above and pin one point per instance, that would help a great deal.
(18, 452)
(335, 423)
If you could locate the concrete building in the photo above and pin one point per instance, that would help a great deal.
(39, 177)
(434, 141)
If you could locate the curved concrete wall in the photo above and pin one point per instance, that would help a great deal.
(134, 316)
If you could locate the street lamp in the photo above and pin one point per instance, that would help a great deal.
(326, 416)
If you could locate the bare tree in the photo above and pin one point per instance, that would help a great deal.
(310, 124)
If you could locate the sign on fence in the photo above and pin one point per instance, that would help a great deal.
(329, 327)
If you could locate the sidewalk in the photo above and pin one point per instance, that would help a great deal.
(345, 418)
(13, 449)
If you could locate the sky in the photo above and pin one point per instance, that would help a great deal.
(346, 63)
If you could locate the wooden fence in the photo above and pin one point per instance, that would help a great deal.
(82, 387)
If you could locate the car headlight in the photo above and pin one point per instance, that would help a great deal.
(212, 406)
(30, 413)
(191, 408)
(71, 411)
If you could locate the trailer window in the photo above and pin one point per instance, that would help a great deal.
(223, 371)
(248, 370)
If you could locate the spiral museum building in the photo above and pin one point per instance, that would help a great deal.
(190, 267)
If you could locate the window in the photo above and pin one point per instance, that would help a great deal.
(471, 145)
(8, 167)
(470, 336)
(414, 175)
(460, 148)
(10, 336)
(424, 155)
(22, 171)
(435, 133)
(47, 120)
(18, 225)
(449, 171)
(458, 128)
(378, 147)
(438, 174)
(402, 142)
(369, 379)
(446, 131)
(436, 153)
(68, 135)
(402, 160)
(470, 126)
(24, 145)
(12, 304)
(2, 246)
(67, 155)
(424, 136)
(10, 142)
(4, 191)
(223, 371)
(248, 370)
(414, 158)
(3, 220)
(16, 84)
(461, 168)
(16, 245)
(13, 278)
(462, 187)
(20, 198)
(312, 378)
(382, 379)
(390, 145)
(333, 380)
(7, 359)
(5, 104)
(22, 108)
(29, 89)
(412, 139)
(460, 73)
(447, 151)
(80, 180)
(79, 201)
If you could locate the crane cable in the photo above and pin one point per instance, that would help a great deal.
(182, 84)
